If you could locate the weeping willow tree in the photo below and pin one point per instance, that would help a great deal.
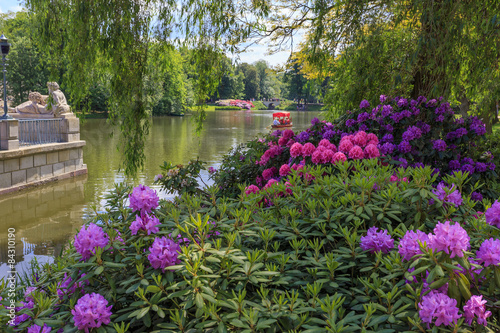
(416, 47)
(88, 37)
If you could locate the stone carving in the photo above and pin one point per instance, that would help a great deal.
(39, 106)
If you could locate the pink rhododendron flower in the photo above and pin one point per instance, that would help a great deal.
(356, 153)
(345, 146)
(377, 241)
(452, 239)
(143, 199)
(164, 253)
(268, 173)
(360, 139)
(317, 156)
(270, 183)
(282, 141)
(372, 139)
(493, 214)
(252, 189)
(408, 245)
(88, 239)
(324, 143)
(474, 308)
(327, 156)
(296, 150)
(288, 133)
(284, 170)
(371, 151)
(489, 252)
(439, 306)
(321, 149)
(308, 149)
(91, 311)
(339, 157)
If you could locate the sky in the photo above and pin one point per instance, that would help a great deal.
(255, 52)
(10, 5)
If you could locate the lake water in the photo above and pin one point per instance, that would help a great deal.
(46, 217)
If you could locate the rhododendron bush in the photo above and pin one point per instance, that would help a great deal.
(325, 245)
(426, 132)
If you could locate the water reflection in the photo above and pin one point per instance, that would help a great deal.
(46, 217)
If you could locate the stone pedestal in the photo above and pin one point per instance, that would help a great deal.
(71, 127)
(9, 132)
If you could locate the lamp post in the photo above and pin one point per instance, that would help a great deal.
(5, 48)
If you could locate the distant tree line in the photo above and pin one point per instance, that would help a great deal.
(171, 82)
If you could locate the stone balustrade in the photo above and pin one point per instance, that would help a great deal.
(22, 167)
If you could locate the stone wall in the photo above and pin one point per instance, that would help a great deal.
(36, 165)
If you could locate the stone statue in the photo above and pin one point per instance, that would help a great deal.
(39, 106)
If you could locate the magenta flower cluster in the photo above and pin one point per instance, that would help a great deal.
(375, 241)
(88, 239)
(409, 245)
(91, 311)
(475, 309)
(453, 196)
(164, 253)
(37, 329)
(146, 222)
(450, 238)
(492, 215)
(489, 252)
(439, 307)
(143, 199)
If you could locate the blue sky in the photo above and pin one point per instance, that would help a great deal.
(255, 53)
(10, 5)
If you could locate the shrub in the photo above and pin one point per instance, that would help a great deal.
(227, 108)
(279, 260)
(258, 105)
(421, 132)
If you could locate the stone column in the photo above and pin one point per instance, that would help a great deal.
(9, 129)
(71, 128)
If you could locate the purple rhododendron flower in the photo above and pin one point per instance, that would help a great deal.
(493, 214)
(454, 197)
(164, 253)
(476, 196)
(489, 252)
(450, 238)
(314, 121)
(481, 167)
(408, 245)
(387, 148)
(91, 311)
(383, 98)
(145, 222)
(303, 136)
(88, 239)
(439, 145)
(474, 308)
(412, 133)
(37, 329)
(329, 134)
(143, 199)
(350, 122)
(377, 241)
(431, 103)
(388, 138)
(402, 102)
(438, 306)
(404, 147)
(454, 165)
(364, 104)
(468, 168)
(363, 117)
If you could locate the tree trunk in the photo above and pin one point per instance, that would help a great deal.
(464, 106)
